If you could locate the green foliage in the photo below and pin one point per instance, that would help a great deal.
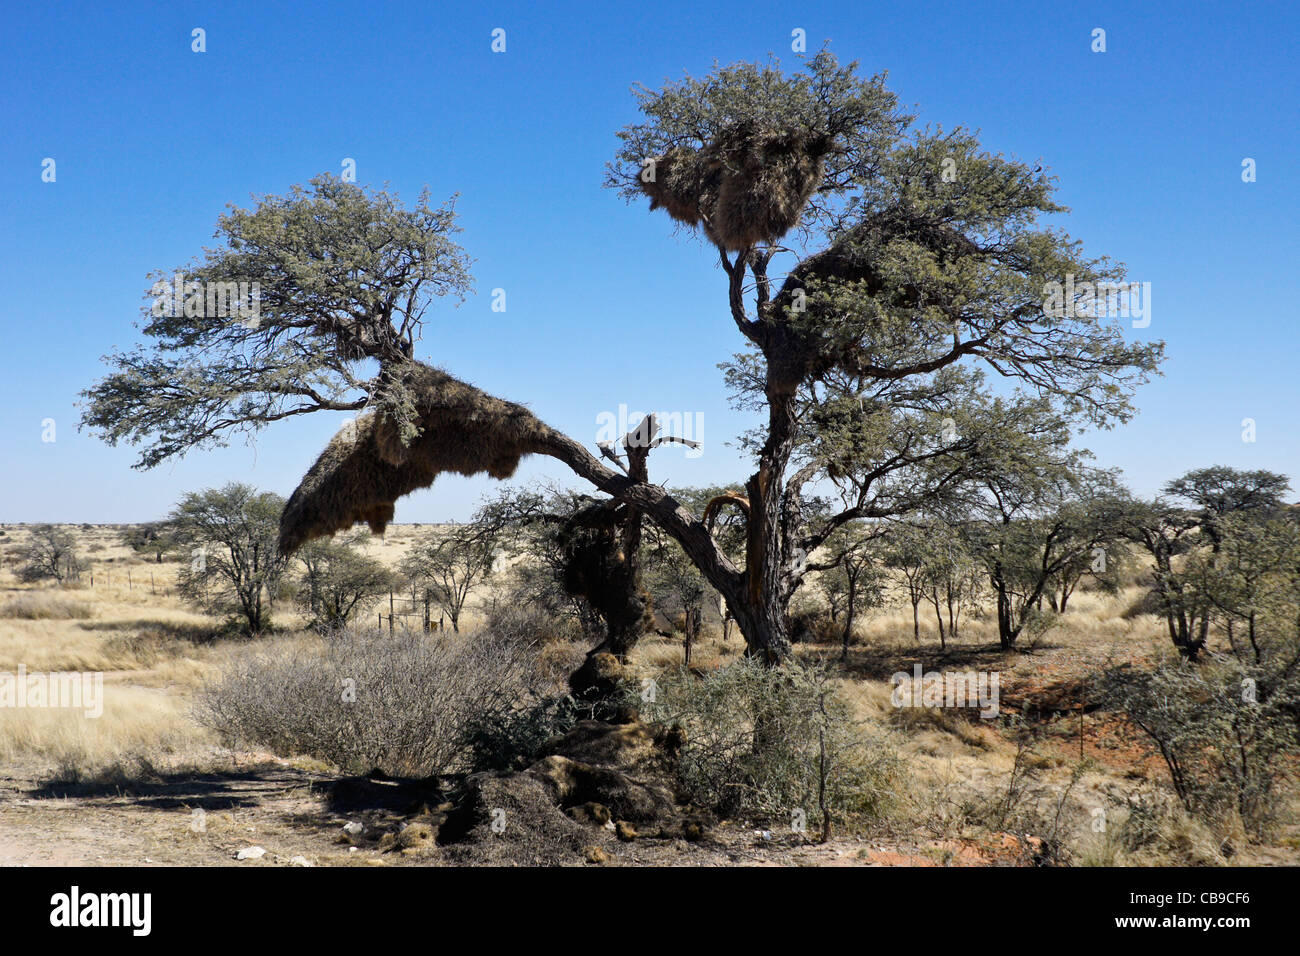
(1228, 558)
(339, 582)
(345, 275)
(826, 98)
(1225, 732)
(512, 739)
(1044, 524)
(227, 537)
(154, 538)
(765, 743)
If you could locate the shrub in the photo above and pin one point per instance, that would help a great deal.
(529, 621)
(338, 583)
(365, 700)
(1223, 731)
(768, 743)
(813, 625)
(513, 739)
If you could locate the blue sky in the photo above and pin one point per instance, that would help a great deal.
(604, 304)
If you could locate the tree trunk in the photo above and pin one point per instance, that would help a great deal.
(848, 616)
(767, 588)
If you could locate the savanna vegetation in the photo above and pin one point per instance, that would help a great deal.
(637, 671)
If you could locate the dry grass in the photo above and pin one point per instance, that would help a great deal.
(135, 720)
(156, 654)
(43, 606)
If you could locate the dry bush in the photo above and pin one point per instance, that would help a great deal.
(365, 700)
(517, 617)
(1149, 829)
(40, 606)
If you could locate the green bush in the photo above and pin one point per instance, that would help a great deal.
(775, 745)
(512, 740)
(1225, 732)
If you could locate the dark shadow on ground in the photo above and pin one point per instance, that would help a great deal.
(167, 630)
(184, 789)
(866, 662)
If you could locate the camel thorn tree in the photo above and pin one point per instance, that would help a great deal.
(872, 271)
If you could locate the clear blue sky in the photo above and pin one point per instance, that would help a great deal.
(605, 305)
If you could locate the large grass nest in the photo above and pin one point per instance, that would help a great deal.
(367, 466)
(749, 185)
(854, 255)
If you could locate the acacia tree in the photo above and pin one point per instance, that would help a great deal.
(676, 585)
(338, 581)
(451, 564)
(50, 552)
(951, 580)
(851, 575)
(906, 554)
(917, 254)
(857, 357)
(1043, 514)
(1199, 506)
(228, 535)
(344, 278)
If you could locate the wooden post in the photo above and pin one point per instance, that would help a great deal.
(128, 579)
(152, 589)
(1081, 721)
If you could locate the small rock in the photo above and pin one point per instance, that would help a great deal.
(387, 842)
(625, 831)
(299, 861)
(352, 828)
(250, 853)
(595, 854)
